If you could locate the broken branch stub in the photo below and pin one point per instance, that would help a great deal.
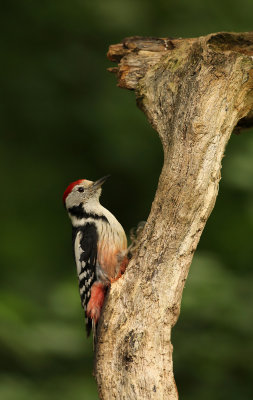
(194, 93)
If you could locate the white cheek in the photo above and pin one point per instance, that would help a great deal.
(73, 199)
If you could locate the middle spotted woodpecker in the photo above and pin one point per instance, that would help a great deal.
(99, 243)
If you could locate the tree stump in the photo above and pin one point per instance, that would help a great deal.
(194, 92)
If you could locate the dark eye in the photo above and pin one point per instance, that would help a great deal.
(81, 189)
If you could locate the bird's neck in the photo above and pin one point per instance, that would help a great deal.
(92, 205)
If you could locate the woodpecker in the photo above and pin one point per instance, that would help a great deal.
(99, 244)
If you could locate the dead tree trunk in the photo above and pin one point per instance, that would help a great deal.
(194, 93)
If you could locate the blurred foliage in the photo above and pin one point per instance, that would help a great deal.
(63, 118)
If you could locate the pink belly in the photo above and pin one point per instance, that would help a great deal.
(109, 258)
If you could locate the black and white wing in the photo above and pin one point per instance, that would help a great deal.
(85, 240)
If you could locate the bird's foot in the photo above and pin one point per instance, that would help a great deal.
(134, 236)
(96, 301)
(122, 268)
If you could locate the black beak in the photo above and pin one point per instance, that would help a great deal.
(100, 182)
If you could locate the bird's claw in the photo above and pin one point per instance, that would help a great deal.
(112, 280)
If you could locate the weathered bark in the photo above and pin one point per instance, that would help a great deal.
(194, 93)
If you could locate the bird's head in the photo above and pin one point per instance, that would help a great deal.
(83, 191)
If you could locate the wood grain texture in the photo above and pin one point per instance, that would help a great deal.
(194, 92)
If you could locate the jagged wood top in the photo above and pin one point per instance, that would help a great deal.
(136, 55)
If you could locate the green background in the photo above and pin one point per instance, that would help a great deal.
(63, 118)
